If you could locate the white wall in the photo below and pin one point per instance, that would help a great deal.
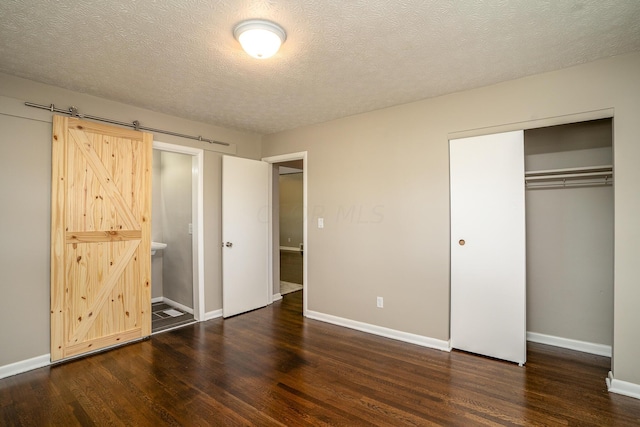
(387, 220)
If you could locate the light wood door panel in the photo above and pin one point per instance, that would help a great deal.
(101, 236)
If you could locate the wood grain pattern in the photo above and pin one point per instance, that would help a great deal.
(103, 183)
(143, 168)
(58, 187)
(101, 236)
(83, 319)
(272, 367)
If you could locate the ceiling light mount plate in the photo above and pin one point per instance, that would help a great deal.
(260, 38)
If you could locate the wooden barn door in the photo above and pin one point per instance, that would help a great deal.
(100, 236)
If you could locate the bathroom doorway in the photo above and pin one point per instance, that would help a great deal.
(298, 250)
(177, 243)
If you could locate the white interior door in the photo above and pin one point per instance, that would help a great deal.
(245, 215)
(488, 281)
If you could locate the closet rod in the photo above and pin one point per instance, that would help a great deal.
(564, 184)
(73, 112)
(584, 175)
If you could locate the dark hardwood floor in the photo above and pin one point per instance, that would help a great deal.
(273, 367)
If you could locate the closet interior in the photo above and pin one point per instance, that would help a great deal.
(569, 235)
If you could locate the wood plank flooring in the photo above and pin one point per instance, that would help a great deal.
(272, 367)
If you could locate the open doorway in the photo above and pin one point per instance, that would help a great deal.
(176, 255)
(291, 215)
(288, 227)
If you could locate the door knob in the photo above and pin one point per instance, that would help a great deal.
(228, 244)
(461, 242)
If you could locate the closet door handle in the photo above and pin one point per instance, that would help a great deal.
(228, 244)
(461, 242)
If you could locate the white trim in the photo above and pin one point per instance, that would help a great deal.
(382, 331)
(622, 387)
(583, 346)
(290, 249)
(270, 238)
(157, 299)
(277, 297)
(178, 305)
(25, 365)
(302, 155)
(213, 314)
(197, 213)
(198, 233)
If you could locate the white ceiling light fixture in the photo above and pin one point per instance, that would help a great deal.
(259, 38)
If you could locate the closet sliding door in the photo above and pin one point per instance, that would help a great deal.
(488, 261)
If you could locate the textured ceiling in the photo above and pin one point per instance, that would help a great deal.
(341, 57)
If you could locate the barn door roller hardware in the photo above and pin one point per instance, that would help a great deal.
(73, 112)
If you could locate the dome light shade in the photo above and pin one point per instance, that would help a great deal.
(260, 39)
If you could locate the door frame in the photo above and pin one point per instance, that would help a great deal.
(197, 219)
(302, 155)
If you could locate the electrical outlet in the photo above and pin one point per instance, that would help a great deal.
(289, 239)
(380, 302)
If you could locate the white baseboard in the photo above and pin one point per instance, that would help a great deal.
(157, 299)
(175, 304)
(25, 365)
(583, 346)
(213, 314)
(277, 297)
(382, 331)
(622, 387)
(289, 248)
